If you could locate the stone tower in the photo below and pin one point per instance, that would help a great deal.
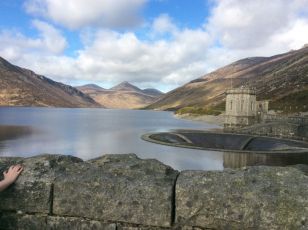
(241, 108)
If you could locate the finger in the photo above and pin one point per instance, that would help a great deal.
(17, 167)
(20, 169)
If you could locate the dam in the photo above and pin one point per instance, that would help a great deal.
(239, 149)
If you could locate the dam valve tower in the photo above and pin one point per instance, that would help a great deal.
(242, 108)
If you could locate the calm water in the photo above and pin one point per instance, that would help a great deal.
(89, 133)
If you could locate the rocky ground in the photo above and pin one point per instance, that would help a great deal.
(125, 192)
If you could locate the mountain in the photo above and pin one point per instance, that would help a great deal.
(122, 96)
(152, 92)
(90, 88)
(22, 87)
(126, 86)
(123, 99)
(282, 79)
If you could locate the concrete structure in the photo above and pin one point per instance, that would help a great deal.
(242, 108)
(262, 110)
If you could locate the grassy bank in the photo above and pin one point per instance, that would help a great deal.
(198, 111)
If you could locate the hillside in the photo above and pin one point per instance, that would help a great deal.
(121, 96)
(22, 87)
(282, 79)
(90, 88)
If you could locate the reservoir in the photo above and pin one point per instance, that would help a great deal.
(89, 133)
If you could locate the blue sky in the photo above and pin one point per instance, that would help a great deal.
(150, 43)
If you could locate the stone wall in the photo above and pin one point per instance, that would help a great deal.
(278, 129)
(125, 192)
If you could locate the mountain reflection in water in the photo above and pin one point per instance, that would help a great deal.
(10, 132)
(90, 133)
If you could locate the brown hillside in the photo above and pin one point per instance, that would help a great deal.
(122, 96)
(22, 87)
(273, 77)
(124, 99)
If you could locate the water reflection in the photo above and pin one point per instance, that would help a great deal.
(8, 132)
(89, 133)
(238, 160)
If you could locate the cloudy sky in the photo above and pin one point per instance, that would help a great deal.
(150, 43)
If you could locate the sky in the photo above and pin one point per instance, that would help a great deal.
(159, 44)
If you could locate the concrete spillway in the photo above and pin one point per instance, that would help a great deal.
(226, 142)
(239, 150)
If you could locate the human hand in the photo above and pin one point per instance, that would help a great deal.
(12, 173)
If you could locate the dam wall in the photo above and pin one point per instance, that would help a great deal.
(126, 192)
(285, 129)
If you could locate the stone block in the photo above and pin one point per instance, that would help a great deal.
(253, 198)
(13, 221)
(65, 223)
(32, 192)
(123, 227)
(119, 188)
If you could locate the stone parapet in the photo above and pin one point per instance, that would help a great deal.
(241, 91)
(126, 192)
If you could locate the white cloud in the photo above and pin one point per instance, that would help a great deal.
(111, 57)
(250, 24)
(81, 13)
(49, 40)
(50, 37)
(122, 56)
(164, 24)
(294, 36)
(171, 56)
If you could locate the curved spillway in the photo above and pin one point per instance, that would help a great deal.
(225, 142)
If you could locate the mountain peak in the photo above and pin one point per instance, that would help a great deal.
(152, 92)
(126, 86)
(91, 86)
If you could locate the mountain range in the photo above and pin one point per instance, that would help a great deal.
(282, 79)
(22, 87)
(123, 95)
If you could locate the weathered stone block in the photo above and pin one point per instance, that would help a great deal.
(255, 198)
(122, 227)
(32, 191)
(120, 188)
(65, 223)
(13, 221)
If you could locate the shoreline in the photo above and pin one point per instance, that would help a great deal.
(211, 119)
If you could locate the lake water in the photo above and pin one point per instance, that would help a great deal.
(89, 133)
